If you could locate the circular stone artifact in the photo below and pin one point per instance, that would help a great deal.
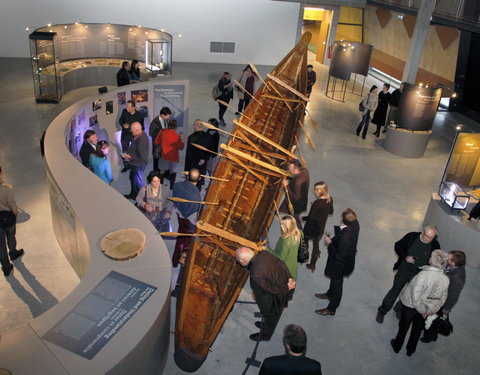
(4, 371)
(123, 244)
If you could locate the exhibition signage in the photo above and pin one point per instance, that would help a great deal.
(174, 97)
(99, 316)
(463, 166)
(418, 106)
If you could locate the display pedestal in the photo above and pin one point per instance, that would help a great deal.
(407, 143)
(455, 232)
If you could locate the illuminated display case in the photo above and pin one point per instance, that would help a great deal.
(44, 55)
(158, 55)
(453, 195)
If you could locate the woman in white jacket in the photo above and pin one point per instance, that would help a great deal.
(424, 295)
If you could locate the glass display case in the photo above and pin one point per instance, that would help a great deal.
(453, 195)
(158, 55)
(44, 55)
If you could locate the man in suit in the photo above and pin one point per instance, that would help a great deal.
(129, 116)
(342, 249)
(294, 361)
(137, 156)
(88, 147)
(271, 283)
(297, 189)
(157, 124)
(123, 78)
(414, 251)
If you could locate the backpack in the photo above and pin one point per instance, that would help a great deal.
(216, 92)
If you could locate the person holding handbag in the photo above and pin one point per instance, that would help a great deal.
(8, 219)
(370, 103)
(316, 220)
(153, 202)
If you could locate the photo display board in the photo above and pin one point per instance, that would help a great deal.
(418, 107)
(463, 167)
(348, 58)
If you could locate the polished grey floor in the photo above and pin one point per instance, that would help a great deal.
(390, 195)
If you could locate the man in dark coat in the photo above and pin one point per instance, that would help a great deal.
(123, 78)
(88, 147)
(137, 156)
(129, 116)
(294, 361)
(186, 212)
(311, 79)
(195, 157)
(414, 251)
(271, 283)
(394, 101)
(342, 249)
(157, 124)
(297, 190)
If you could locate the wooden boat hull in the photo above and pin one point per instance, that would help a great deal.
(254, 166)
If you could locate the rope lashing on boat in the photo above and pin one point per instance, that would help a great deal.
(264, 138)
(230, 107)
(288, 87)
(246, 92)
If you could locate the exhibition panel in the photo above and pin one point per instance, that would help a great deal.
(69, 56)
(117, 320)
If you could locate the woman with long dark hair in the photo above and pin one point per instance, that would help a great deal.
(134, 71)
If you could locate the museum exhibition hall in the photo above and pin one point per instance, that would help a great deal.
(96, 291)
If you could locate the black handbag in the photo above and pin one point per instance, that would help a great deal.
(7, 219)
(361, 106)
(445, 328)
(303, 254)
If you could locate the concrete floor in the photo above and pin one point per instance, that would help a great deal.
(390, 195)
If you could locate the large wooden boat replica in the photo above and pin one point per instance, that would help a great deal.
(251, 169)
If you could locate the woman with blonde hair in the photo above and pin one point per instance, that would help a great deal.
(287, 245)
(316, 220)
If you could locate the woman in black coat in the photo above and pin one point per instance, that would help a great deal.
(226, 89)
(380, 114)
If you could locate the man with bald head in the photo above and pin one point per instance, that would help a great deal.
(414, 251)
(271, 282)
(137, 157)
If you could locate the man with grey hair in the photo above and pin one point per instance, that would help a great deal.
(423, 296)
(137, 157)
(413, 251)
(294, 361)
(271, 282)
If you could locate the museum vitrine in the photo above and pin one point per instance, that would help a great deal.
(44, 55)
(453, 195)
(158, 54)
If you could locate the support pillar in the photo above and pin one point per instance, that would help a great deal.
(417, 43)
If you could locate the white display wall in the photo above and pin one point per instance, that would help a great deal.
(263, 30)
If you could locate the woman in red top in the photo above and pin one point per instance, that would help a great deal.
(172, 143)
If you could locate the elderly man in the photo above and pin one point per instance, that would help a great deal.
(271, 282)
(294, 361)
(129, 116)
(342, 250)
(137, 156)
(413, 251)
(88, 147)
(187, 212)
(297, 190)
(422, 297)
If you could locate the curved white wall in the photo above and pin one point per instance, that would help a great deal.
(263, 30)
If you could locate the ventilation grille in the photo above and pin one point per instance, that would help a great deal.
(222, 47)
